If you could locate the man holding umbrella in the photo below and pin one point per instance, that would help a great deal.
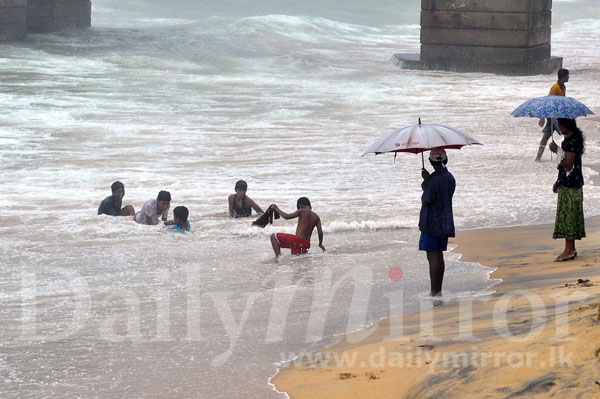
(436, 221)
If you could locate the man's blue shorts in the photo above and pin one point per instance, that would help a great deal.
(432, 243)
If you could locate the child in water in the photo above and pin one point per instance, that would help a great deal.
(112, 205)
(299, 243)
(180, 219)
(154, 209)
(240, 205)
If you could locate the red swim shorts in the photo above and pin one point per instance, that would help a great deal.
(297, 244)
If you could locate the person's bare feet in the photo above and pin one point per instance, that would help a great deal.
(564, 257)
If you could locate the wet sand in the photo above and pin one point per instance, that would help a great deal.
(537, 336)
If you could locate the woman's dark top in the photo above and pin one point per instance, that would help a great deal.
(244, 211)
(575, 177)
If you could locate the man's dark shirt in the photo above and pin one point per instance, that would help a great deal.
(110, 207)
(436, 218)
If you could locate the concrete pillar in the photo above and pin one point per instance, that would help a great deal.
(53, 15)
(19, 17)
(13, 19)
(501, 36)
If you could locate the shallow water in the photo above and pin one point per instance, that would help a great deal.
(287, 99)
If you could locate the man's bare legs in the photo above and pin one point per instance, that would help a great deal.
(437, 266)
(276, 247)
(542, 146)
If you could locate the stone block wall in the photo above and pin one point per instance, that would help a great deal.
(19, 17)
(13, 19)
(501, 36)
(53, 15)
(485, 31)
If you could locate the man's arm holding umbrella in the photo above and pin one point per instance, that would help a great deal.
(425, 176)
(429, 190)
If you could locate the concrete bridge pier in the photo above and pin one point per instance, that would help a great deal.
(509, 37)
(19, 17)
(13, 19)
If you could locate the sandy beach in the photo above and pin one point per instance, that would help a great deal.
(537, 336)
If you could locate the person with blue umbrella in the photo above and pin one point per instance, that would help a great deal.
(569, 223)
(558, 89)
(552, 107)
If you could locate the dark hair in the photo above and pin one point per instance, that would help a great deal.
(181, 213)
(164, 196)
(117, 185)
(562, 73)
(571, 124)
(303, 201)
(241, 185)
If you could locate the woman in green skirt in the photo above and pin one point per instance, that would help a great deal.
(569, 222)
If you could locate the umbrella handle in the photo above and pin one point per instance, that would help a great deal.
(423, 160)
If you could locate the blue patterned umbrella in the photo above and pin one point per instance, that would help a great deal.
(552, 107)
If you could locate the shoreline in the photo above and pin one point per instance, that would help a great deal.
(523, 259)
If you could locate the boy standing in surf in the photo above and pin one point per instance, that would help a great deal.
(307, 221)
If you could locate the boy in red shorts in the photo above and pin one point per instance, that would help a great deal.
(307, 221)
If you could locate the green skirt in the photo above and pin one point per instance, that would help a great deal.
(569, 222)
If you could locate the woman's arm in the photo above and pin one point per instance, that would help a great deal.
(230, 199)
(569, 161)
(254, 205)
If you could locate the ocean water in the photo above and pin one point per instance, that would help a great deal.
(190, 97)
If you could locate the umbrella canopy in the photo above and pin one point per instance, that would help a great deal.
(552, 107)
(419, 138)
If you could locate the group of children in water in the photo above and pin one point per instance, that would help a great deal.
(152, 210)
(240, 206)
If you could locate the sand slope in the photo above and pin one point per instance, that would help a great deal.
(537, 337)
